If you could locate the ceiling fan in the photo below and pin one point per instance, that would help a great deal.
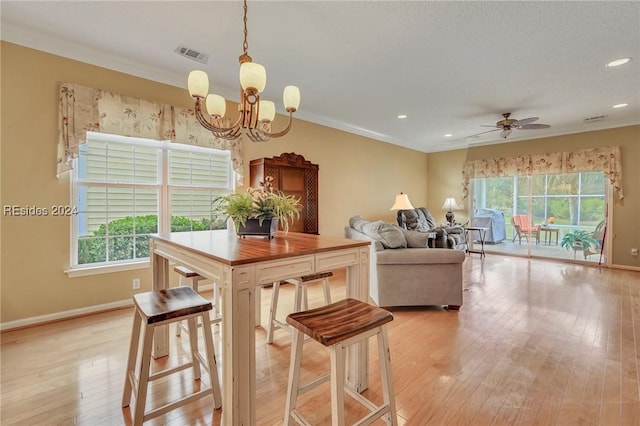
(508, 124)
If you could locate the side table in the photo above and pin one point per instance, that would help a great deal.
(482, 232)
(548, 234)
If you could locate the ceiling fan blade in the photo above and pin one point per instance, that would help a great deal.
(481, 133)
(490, 125)
(524, 121)
(534, 126)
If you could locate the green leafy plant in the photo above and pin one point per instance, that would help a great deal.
(258, 203)
(579, 240)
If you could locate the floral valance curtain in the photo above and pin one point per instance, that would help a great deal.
(606, 159)
(85, 109)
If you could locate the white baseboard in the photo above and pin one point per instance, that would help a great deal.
(626, 268)
(57, 316)
(41, 319)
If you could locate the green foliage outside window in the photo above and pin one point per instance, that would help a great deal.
(118, 235)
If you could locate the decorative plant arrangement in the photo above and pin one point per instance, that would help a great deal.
(579, 240)
(259, 210)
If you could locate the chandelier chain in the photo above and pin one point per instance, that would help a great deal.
(245, 44)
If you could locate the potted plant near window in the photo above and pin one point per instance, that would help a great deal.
(579, 240)
(259, 210)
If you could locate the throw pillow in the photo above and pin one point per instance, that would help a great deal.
(392, 236)
(416, 239)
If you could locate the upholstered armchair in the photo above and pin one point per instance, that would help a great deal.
(421, 220)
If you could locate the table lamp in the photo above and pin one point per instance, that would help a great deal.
(402, 203)
(449, 205)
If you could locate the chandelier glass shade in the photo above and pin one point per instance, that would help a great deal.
(255, 115)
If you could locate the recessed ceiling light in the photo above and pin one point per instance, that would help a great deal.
(402, 116)
(618, 62)
(448, 135)
(620, 105)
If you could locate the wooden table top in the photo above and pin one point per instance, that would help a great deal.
(226, 247)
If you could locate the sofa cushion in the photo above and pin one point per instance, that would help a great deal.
(392, 236)
(357, 223)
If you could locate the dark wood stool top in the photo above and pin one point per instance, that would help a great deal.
(175, 302)
(186, 272)
(338, 321)
(318, 276)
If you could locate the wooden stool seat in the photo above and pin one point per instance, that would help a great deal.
(338, 326)
(187, 273)
(191, 278)
(334, 323)
(156, 308)
(300, 300)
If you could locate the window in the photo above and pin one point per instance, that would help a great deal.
(574, 200)
(125, 189)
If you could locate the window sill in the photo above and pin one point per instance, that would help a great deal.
(106, 269)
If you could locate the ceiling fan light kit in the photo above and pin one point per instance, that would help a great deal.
(507, 125)
(255, 115)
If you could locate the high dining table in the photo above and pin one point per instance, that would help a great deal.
(242, 266)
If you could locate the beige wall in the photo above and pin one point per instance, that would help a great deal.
(357, 176)
(445, 171)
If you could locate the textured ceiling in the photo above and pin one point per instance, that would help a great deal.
(450, 66)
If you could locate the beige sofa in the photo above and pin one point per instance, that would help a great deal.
(404, 271)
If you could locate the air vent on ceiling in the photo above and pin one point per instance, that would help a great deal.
(594, 119)
(192, 54)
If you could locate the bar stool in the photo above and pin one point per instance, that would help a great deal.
(191, 279)
(300, 299)
(157, 308)
(338, 326)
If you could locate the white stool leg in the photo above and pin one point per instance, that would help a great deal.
(305, 296)
(179, 325)
(211, 361)
(338, 368)
(272, 311)
(193, 342)
(217, 311)
(327, 292)
(385, 376)
(294, 375)
(143, 380)
(133, 358)
(297, 295)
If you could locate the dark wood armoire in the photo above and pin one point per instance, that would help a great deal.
(293, 175)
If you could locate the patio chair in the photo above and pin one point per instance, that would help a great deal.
(523, 227)
(598, 235)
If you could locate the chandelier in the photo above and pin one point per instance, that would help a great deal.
(255, 115)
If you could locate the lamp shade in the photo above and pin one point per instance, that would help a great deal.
(402, 203)
(198, 83)
(266, 111)
(451, 204)
(216, 105)
(253, 76)
(291, 98)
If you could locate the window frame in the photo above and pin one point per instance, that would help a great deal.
(164, 197)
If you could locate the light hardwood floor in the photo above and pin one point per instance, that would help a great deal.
(535, 343)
